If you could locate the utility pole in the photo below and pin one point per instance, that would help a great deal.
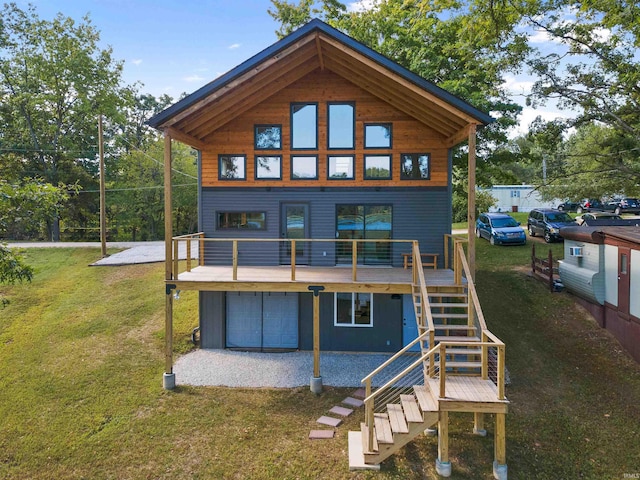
(103, 211)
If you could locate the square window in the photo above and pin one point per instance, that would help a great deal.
(268, 168)
(341, 125)
(377, 167)
(353, 309)
(304, 126)
(268, 137)
(304, 167)
(414, 166)
(377, 135)
(232, 167)
(340, 167)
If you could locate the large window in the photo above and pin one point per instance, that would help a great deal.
(364, 222)
(377, 167)
(414, 166)
(340, 167)
(268, 168)
(304, 126)
(353, 310)
(304, 167)
(341, 125)
(232, 167)
(377, 135)
(268, 137)
(242, 220)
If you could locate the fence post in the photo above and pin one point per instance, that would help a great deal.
(533, 259)
(550, 260)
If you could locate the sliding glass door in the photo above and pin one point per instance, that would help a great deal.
(362, 222)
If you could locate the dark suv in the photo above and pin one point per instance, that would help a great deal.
(548, 222)
(623, 205)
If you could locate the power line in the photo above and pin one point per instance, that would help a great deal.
(157, 161)
(137, 188)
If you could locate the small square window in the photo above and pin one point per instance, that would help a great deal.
(353, 309)
(269, 168)
(304, 167)
(414, 166)
(268, 137)
(377, 167)
(340, 167)
(232, 167)
(377, 135)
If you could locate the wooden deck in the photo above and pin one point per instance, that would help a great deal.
(334, 279)
(468, 394)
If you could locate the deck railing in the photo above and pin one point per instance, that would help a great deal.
(249, 252)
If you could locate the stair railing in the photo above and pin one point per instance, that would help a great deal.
(425, 320)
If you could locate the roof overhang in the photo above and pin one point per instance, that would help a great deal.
(316, 46)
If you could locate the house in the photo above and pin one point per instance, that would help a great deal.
(602, 267)
(517, 198)
(324, 185)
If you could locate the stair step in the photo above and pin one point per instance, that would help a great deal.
(411, 409)
(448, 338)
(448, 294)
(464, 351)
(365, 439)
(449, 305)
(396, 418)
(449, 315)
(425, 399)
(382, 428)
(456, 364)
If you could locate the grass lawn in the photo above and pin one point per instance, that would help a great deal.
(81, 397)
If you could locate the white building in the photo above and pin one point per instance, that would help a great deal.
(517, 198)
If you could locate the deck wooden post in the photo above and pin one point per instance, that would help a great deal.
(478, 424)
(471, 210)
(168, 352)
(443, 466)
(188, 254)
(354, 260)
(293, 260)
(169, 379)
(316, 380)
(500, 440)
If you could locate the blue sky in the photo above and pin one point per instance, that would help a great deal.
(176, 46)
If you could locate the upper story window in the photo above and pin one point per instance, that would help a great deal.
(414, 166)
(304, 126)
(268, 137)
(232, 167)
(377, 135)
(341, 119)
(377, 167)
(340, 167)
(304, 167)
(268, 168)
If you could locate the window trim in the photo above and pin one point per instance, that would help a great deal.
(255, 135)
(266, 179)
(353, 167)
(238, 179)
(364, 163)
(421, 154)
(353, 128)
(297, 179)
(373, 124)
(291, 130)
(353, 311)
(246, 212)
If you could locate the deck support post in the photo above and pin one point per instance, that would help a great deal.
(316, 380)
(500, 463)
(169, 378)
(471, 201)
(478, 424)
(443, 465)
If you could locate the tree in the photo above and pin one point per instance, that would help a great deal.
(12, 269)
(54, 80)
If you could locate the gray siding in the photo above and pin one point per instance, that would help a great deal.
(418, 214)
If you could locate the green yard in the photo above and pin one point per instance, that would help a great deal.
(81, 397)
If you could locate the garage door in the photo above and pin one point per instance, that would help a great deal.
(262, 320)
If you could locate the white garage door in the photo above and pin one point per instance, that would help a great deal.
(262, 320)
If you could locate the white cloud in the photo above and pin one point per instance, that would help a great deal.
(193, 78)
(234, 46)
(519, 85)
(362, 5)
(136, 61)
(529, 114)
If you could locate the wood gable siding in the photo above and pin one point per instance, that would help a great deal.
(409, 136)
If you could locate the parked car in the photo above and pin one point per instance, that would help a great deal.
(590, 216)
(590, 205)
(547, 222)
(500, 228)
(623, 205)
(569, 206)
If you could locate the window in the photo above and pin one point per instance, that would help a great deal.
(377, 135)
(353, 309)
(340, 167)
(304, 167)
(242, 220)
(268, 137)
(414, 166)
(268, 168)
(304, 126)
(377, 167)
(358, 222)
(341, 125)
(515, 193)
(232, 167)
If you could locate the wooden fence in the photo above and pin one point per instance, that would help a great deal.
(545, 269)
